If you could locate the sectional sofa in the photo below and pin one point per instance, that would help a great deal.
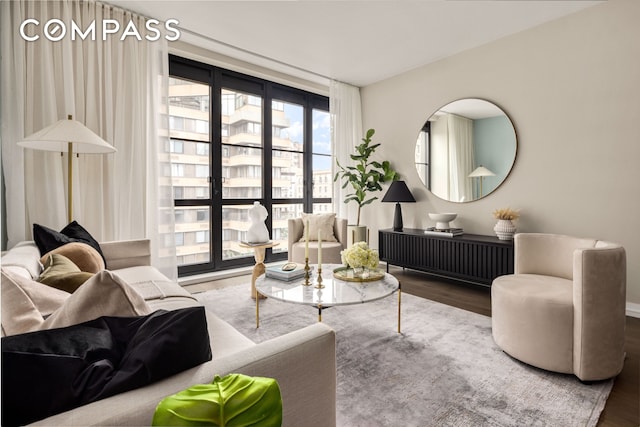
(303, 362)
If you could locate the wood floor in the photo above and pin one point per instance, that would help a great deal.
(623, 406)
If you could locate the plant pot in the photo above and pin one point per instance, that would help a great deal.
(357, 233)
(505, 229)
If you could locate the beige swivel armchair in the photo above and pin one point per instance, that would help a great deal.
(564, 308)
(330, 250)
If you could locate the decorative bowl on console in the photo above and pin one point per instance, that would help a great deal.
(442, 219)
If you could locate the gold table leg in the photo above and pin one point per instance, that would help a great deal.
(399, 306)
(258, 312)
(258, 270)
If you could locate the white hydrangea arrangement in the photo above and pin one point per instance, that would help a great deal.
(359, 255)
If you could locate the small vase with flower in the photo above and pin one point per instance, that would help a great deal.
(504, 228)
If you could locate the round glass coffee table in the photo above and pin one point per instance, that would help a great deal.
(334, 292)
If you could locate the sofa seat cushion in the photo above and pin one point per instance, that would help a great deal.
(151, 283)
(224, 338)
(48, 372)
(532, 319)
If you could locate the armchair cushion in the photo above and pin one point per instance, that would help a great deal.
(319, 225)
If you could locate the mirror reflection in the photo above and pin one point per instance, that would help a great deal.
(465, 150)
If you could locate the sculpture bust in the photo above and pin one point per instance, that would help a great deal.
(257, 232)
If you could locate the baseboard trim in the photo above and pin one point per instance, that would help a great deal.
(633, 309)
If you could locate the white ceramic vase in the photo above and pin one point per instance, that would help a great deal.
(505, 229)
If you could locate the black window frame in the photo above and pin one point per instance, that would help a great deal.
(218, 78)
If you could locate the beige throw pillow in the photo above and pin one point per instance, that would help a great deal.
(105, 294)
(81, 254)
(319, 223)
(45, 299)
(19, 313)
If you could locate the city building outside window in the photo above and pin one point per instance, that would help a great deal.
(236, 139)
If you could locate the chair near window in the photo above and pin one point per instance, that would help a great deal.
(564, 308)
(333, 232)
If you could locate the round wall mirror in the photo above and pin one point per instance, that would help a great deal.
(465, 150)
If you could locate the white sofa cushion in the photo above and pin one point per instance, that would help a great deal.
(25, 256)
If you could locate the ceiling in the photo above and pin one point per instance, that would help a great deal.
(358, 42)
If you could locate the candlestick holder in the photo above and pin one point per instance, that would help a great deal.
(307, 275)
(319, 284)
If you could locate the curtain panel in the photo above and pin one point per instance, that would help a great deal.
(346, 130)
(117, 89)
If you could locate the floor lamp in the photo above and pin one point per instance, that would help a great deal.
(481, 172)
(68, 136)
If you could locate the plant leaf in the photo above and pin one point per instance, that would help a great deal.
(234, 400)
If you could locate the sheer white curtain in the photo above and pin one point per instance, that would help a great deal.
(461, 157)
(346, 130)
(116, 88)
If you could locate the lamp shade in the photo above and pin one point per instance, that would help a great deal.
(57, 137)
(481, 171)
(398, 192)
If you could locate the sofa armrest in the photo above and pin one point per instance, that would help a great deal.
(295, 229)
(340, 230)
(126, 253)
(303, 362)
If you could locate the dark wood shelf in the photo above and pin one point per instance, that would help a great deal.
(470, 258)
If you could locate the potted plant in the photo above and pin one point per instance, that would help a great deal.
(504, 228)
(364, 177)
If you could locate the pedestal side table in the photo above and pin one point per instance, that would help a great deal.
(259, 250)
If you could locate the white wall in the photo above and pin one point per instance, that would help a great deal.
(572, 89)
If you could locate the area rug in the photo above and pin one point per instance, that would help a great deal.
(442, 370)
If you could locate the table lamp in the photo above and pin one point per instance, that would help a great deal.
(68, 136)
(398, 192)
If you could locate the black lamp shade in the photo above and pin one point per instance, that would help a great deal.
(398, 192)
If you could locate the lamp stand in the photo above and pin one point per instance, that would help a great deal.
(397, 218)
(70, 181)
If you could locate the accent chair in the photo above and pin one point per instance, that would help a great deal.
(563, 309)
(330, 249)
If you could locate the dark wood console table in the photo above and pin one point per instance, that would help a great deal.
(470, 257)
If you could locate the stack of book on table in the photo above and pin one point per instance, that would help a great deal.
(448, 232)
(276, 272)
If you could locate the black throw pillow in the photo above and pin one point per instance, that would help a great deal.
(51, 371)
(47, 239)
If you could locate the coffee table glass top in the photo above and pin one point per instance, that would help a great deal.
(335, 291)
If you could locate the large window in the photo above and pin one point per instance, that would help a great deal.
(236, 139)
